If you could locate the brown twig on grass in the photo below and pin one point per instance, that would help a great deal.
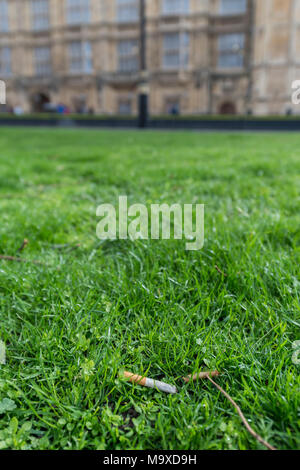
(220, 271)
(65, 246)
(20, 260)
(24, 244)
(244, 420)
(201, 375)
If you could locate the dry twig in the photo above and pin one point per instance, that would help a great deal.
(24, 244)
(146, 382)
(19, 260)
(201, 375)
(65, 246)
(220, 271)
(238, 409)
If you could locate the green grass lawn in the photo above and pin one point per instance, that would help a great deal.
(71, 324)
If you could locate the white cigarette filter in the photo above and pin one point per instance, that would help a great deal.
(150, 383)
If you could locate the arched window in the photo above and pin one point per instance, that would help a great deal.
(39, 102)
(227, 108)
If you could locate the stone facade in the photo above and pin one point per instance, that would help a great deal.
(275, 62)
(203, 56)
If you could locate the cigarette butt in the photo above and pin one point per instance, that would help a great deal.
(150, 383)
(134, 378)
(201, 375)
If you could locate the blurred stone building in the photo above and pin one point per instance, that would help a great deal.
(203, 56)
